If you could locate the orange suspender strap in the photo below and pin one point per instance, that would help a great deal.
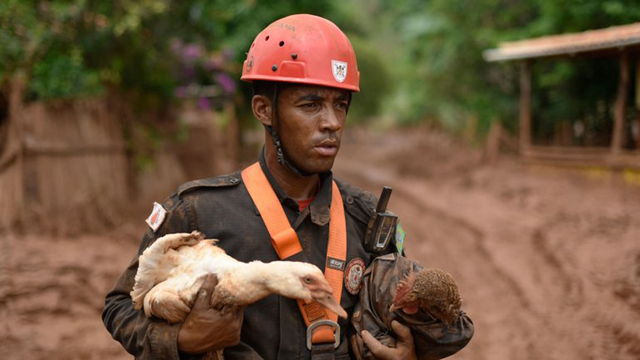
(283, 238)
(286, 243)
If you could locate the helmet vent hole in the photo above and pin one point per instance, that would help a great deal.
(281, 43)
(254, 44)
(266, 39)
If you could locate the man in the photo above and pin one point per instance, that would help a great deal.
(304, 70)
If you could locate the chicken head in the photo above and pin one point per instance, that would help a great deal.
(306, 282)
(432, 290)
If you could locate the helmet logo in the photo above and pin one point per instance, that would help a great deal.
(250, 64)
(339, 69)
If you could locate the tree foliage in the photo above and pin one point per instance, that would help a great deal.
(419, 60)
(71, 48)
(450, 83)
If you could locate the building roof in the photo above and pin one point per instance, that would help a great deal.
(615, 37)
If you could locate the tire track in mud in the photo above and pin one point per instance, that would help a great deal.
(612, 333)
(411, 200)
(609, 336)
(477, 261)
(478, 237)
(551, 274)
(581, 327)
(572, 285)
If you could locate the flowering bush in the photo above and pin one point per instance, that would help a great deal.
(203, 74)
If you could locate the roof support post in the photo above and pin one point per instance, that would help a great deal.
(620, 106)
(525, 106)
(636, 126)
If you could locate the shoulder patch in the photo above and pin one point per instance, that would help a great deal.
(220, 181)
(158, 214)
(400, 235)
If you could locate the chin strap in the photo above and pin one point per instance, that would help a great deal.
(282, 157)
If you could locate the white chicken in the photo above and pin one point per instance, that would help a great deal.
(173, 268)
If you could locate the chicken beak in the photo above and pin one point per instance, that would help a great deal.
(393, 308)
(323, 294)
(330, 303)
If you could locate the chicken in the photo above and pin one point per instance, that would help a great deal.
(425, 300)
(174, 267)
(431, 290)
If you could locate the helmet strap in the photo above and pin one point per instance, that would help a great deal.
(283, 159)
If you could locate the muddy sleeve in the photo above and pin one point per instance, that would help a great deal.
(434, 340)
(145, 338)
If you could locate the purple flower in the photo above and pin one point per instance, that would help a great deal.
(226, 82)
(191, 53)
(204, 103)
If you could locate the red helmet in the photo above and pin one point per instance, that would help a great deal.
(303, 49)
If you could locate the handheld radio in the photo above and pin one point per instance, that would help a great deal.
(381, 229)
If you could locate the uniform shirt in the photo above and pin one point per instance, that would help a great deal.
(221, 208)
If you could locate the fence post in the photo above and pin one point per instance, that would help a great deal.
(16, 119)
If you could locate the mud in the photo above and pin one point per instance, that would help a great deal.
(548, 261)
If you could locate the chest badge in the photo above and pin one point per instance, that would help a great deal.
(353, 275)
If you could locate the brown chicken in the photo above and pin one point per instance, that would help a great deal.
(425, 300)
(430, 289)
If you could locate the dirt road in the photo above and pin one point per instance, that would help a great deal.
(548, 264)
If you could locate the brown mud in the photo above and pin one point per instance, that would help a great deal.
(548, 262)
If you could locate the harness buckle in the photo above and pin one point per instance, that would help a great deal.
(318, 323)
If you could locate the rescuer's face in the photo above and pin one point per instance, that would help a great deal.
(310, 123)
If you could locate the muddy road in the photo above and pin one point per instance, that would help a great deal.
(548, 262)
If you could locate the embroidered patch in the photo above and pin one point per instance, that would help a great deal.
(157, 216)
(400, 234)
(335, 264)
(339, 69)
(353, 275)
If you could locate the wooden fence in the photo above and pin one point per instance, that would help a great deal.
(63, 157)
(64, 165)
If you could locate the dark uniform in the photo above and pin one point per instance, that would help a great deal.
(221, 208)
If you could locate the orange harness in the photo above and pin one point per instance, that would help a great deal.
(286, 243)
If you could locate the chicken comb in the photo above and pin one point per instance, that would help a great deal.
(404, 287)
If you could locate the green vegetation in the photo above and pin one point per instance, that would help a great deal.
(441, 76)
(419, 60)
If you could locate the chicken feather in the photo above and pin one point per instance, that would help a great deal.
(172, 270)
(430, 289)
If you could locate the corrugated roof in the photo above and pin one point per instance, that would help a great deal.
(615, 37)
